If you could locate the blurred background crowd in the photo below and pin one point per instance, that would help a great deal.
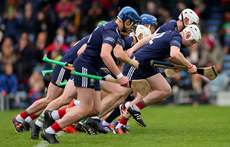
(30, 28)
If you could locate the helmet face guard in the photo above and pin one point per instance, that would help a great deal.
(194, 33)
(129, 28)
(191, 15)
(141, 29)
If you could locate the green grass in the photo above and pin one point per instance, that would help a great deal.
(203, 126)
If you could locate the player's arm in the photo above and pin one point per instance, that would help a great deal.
(140, 44)
(109, 62)
(122, 56)
(82, 49)
(177, 57)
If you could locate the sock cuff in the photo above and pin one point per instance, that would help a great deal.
(124, 117)
(100, 114)
(27, 112)
(142, 101)
(82, 121)
(40, 120)
(61, 113)
(56, 127)
(41, 117)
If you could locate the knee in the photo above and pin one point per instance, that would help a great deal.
(63, 101)
(95, 111)
(121, 93)
(165, 93)
(49, 99)
(168, 91)
(87, 111)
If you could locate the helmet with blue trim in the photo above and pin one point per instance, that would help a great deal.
(128, 13)
(148, 19)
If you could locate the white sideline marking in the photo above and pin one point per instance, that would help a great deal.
(44, 143)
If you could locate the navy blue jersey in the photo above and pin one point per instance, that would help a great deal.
(126, 43)
(171, 25)
(71, 55)
(107, 33)
(158, 48)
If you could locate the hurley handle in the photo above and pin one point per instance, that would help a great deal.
(46, 59)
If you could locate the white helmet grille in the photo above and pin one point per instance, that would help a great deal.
(142, 30)
(194, 31)
(191, 15)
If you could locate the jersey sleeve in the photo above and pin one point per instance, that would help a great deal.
(121, 42)
(176, 41)
(128, 43)
(110, 37)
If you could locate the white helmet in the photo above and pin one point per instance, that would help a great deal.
(142, 30)
(194, 31)
(191, 15)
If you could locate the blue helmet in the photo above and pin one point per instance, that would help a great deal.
(148, 19)
(128, 13)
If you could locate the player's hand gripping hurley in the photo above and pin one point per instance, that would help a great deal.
(209, 72)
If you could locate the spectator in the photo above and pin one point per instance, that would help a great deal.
(58, 43)
(25, 48)
(164, 16)
(36, 87)
(210, 54)
(94, 14)
(226, 33)
(180, 6)
(199, 7)
(44, 24)
(112, 13)
(12, 24)
(63, 11)
(28, 22)
(25, 61)
(194, 53)
(152, 9)
(8, 84)
(39, 47)
(8, 56)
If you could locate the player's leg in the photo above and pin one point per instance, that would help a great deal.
(160, 90)
(68, 94)
(116, 93)
(52, 93)
(92, 124)
(74, 114)
(29, 119)
(117, 112)
(124, 117)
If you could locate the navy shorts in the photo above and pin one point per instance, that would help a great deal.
(130, 97)
(80, 81)
(60, 74)
(141, 73)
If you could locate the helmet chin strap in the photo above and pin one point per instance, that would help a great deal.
(136, 38)
(182, 17)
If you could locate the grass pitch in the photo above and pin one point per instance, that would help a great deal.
(180, 126)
